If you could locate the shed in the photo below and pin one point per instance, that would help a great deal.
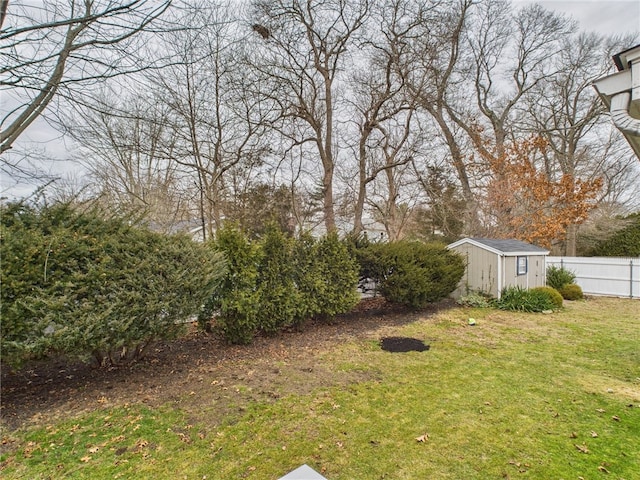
(493, 264)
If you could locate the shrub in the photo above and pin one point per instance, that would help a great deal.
(476, 300)
(235, 303)
(278, 282)
(553, 294)
(79, 284)
(337, 273)
(557, 277)
(412, 273)
(571, 291)
(278, 297)
(520, 299)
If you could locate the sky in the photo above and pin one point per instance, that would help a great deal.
(601, 16)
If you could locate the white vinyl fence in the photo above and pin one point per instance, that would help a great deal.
(611, 276)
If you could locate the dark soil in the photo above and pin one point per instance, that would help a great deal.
(403, 344)
(207, 378)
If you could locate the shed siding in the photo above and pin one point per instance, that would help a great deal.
(535, 276)
(484, 274)
(491, 265)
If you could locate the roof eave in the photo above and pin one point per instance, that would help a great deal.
(495, 250)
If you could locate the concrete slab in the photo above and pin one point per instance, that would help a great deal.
(304, 472)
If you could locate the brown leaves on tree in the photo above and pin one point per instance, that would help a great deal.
(528, 201)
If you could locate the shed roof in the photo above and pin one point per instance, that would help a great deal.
(506, 247)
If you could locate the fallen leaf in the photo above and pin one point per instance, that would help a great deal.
(94, 449)
(582, 448)
(594, 434)
(573, 435)
(603, 469)
(600, 410)
(616, 418)
(423, 438)
(85, 459)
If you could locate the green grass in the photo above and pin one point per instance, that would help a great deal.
(516, 396)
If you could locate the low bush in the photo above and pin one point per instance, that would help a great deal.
(571, 291)
(553, 294)
(557, 277)
(412, 273)
(476, 300)
(520, 299)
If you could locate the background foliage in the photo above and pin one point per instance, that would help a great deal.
(624, 243)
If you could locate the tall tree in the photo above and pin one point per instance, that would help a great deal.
(306, 46)
(387, 135)
(218, 119)
(126, 145)
(434, 77)
(565, 110)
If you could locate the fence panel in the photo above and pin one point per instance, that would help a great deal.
(611, 276)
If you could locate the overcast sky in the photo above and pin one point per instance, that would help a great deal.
(602, 16)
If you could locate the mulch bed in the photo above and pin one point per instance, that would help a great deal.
(55, 389)
(403, 344)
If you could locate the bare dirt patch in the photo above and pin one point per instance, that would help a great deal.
(199, 372)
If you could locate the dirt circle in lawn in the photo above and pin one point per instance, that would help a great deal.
(403, 344)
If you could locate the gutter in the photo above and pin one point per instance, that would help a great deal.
(620, 92)
(620, 115)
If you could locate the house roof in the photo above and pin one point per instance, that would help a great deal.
(506, 247)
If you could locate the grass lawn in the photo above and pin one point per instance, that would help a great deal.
(516, 396)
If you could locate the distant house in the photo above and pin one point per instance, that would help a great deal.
(494, 264)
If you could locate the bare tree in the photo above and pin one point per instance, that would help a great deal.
(435, 74)
(55, 49)
(218, 119)
(388, 136)
(126, 145)
(305, 46)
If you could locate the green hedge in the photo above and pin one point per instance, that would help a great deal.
(411, 272)
(77, 284)
(276, 282)
(235, 303)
